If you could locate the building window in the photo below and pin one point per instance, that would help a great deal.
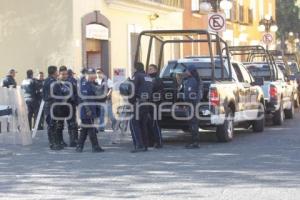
(234, 11)
(241, 14)
(250, 16)
(261, 9)
(195, 5)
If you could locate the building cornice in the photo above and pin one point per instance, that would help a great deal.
(142, 6)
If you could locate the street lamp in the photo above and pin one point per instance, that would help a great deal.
(216, 5)
(225, 4)
(268, 24)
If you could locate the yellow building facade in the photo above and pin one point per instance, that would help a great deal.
(38, 33)
(243, 21)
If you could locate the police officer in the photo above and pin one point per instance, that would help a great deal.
(142, 93)
(191, 86)
(155, 137)
(39, 95)
(72, 123)
(29, 87)
(88, 113)
(9, 80)
(62, 111)
(50, 88)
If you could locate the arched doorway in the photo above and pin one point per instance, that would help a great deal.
(95, 41)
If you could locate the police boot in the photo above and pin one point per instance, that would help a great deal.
(139, 149)
(57, 145)
(50, 138)
(79, 149)
(61, 138)
(194, 144)
(158, 146)
(94, 140)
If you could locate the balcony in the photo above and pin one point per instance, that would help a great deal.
(148, 5)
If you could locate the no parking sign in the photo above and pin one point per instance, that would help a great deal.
(216, 22)
(267, 38)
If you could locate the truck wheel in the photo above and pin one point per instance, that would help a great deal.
(259, 125)
(278, 117)
(225, 132)
(289, 114)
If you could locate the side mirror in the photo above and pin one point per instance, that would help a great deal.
(259, 81)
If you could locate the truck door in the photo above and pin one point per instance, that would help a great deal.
(286, 93)
(244, 88)
(252, 93)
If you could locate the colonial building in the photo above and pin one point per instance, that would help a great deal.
(242, 21)
(77, 33)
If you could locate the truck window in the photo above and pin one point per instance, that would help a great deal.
(174, 69)
(260, 70)
(238, 72)
(246, 75)
(282, 68)
(280, 75)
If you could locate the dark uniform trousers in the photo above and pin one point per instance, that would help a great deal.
(88, 131)
(194, 126)
(138, 126)
(72, 128)
(52, 126)
(31, 104)
(154, 130)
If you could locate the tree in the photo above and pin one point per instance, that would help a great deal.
(287, 17)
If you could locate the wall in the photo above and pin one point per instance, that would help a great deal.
(121, 18)
(35, 34)
(194, 21)
(38, 33)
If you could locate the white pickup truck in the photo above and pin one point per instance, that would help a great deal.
(231, 100)
(279, 97)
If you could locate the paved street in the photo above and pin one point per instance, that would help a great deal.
(254, 166)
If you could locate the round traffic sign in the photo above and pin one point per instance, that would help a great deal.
(217, 22)
(267, 38)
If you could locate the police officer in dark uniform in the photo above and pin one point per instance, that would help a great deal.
(72, 123)
(155, 137)
(63, 111)
(50, 88)
(142, 94)
(29, 87)
(39, 95)
(88, 113)
(9, 80)
(191, 86)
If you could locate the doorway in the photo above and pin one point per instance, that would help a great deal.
(95, 41)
